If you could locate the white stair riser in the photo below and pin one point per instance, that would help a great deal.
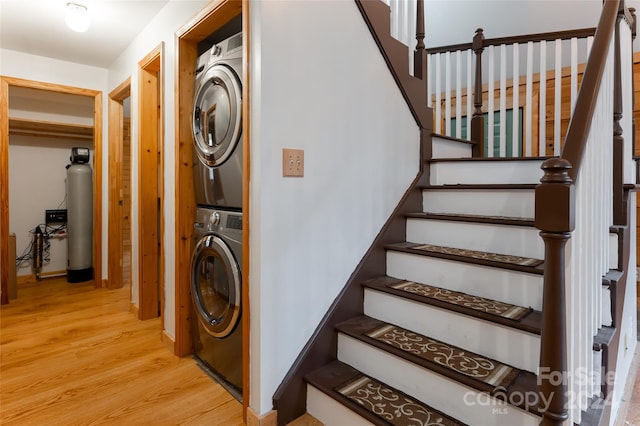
(597, 371)
(494, 202)
(514, 240)
(485, 172)
(613, 251)
(507, 345)
(444, 148)
(518, 288)
(452, 398)
(329, 411)
(607, 318)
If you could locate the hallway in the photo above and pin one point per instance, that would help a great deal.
(73, 355)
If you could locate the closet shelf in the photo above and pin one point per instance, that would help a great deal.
(49, 129)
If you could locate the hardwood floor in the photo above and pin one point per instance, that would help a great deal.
(74, 355)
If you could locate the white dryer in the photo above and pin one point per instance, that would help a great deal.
(217, 125)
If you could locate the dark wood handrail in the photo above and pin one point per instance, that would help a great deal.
(580, 123)
(562, 35)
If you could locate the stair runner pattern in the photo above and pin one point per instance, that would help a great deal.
(504, 258)
(477, 303)
(390, 404)
(472, 365)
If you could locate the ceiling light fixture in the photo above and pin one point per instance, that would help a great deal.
(77, 17)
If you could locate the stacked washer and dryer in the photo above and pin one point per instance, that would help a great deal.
(216, 275)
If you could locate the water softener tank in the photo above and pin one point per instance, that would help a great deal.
(79, 217)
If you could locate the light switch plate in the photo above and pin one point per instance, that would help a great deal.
(292, 162)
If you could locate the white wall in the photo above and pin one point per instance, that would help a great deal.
(318, 82)
(160, 30)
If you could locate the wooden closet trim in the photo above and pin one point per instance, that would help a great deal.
(115, 117)
(5, 84)
(211, 18)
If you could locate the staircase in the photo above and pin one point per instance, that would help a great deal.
(453, 330)
(445, 325)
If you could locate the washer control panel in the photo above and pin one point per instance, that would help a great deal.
(220, 221)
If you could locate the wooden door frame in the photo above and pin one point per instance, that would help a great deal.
(5, 84)
(208, 20)
(115, 130)
(150, 185)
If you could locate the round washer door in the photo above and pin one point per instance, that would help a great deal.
(215, 286)
(217, 115)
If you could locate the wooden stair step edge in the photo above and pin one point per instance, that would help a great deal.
(413, 248)
(336, 375)
(452, 138)
(604, 338)
(521, 382)
(497, 220)
(612, 277)
(491, 186)
(486, 159)
(530, 322)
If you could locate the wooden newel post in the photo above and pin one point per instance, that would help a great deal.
(420, 54)
(555, 218)
(477, 122)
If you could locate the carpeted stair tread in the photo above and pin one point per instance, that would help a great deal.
(465, 367)
(363, 394)
(498, 220)
(518, 317)
(497, 260)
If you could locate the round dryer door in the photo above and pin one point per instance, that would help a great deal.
(215, 286)
(217, 115)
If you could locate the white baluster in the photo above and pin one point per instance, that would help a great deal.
(503, 100)
(438, 89)
(557, 113)
(469, 92)
(542, 104)
(458, 133)
(515, 138)
(529, 101)
(574, 72)
(491, 102)
(447, 94)
(430, 60)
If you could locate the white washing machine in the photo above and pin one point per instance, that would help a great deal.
(216, 293)
(217, 125)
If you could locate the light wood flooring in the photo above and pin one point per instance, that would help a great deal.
(74, 355)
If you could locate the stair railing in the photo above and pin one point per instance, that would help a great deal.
(576, 207)
(518, 81)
